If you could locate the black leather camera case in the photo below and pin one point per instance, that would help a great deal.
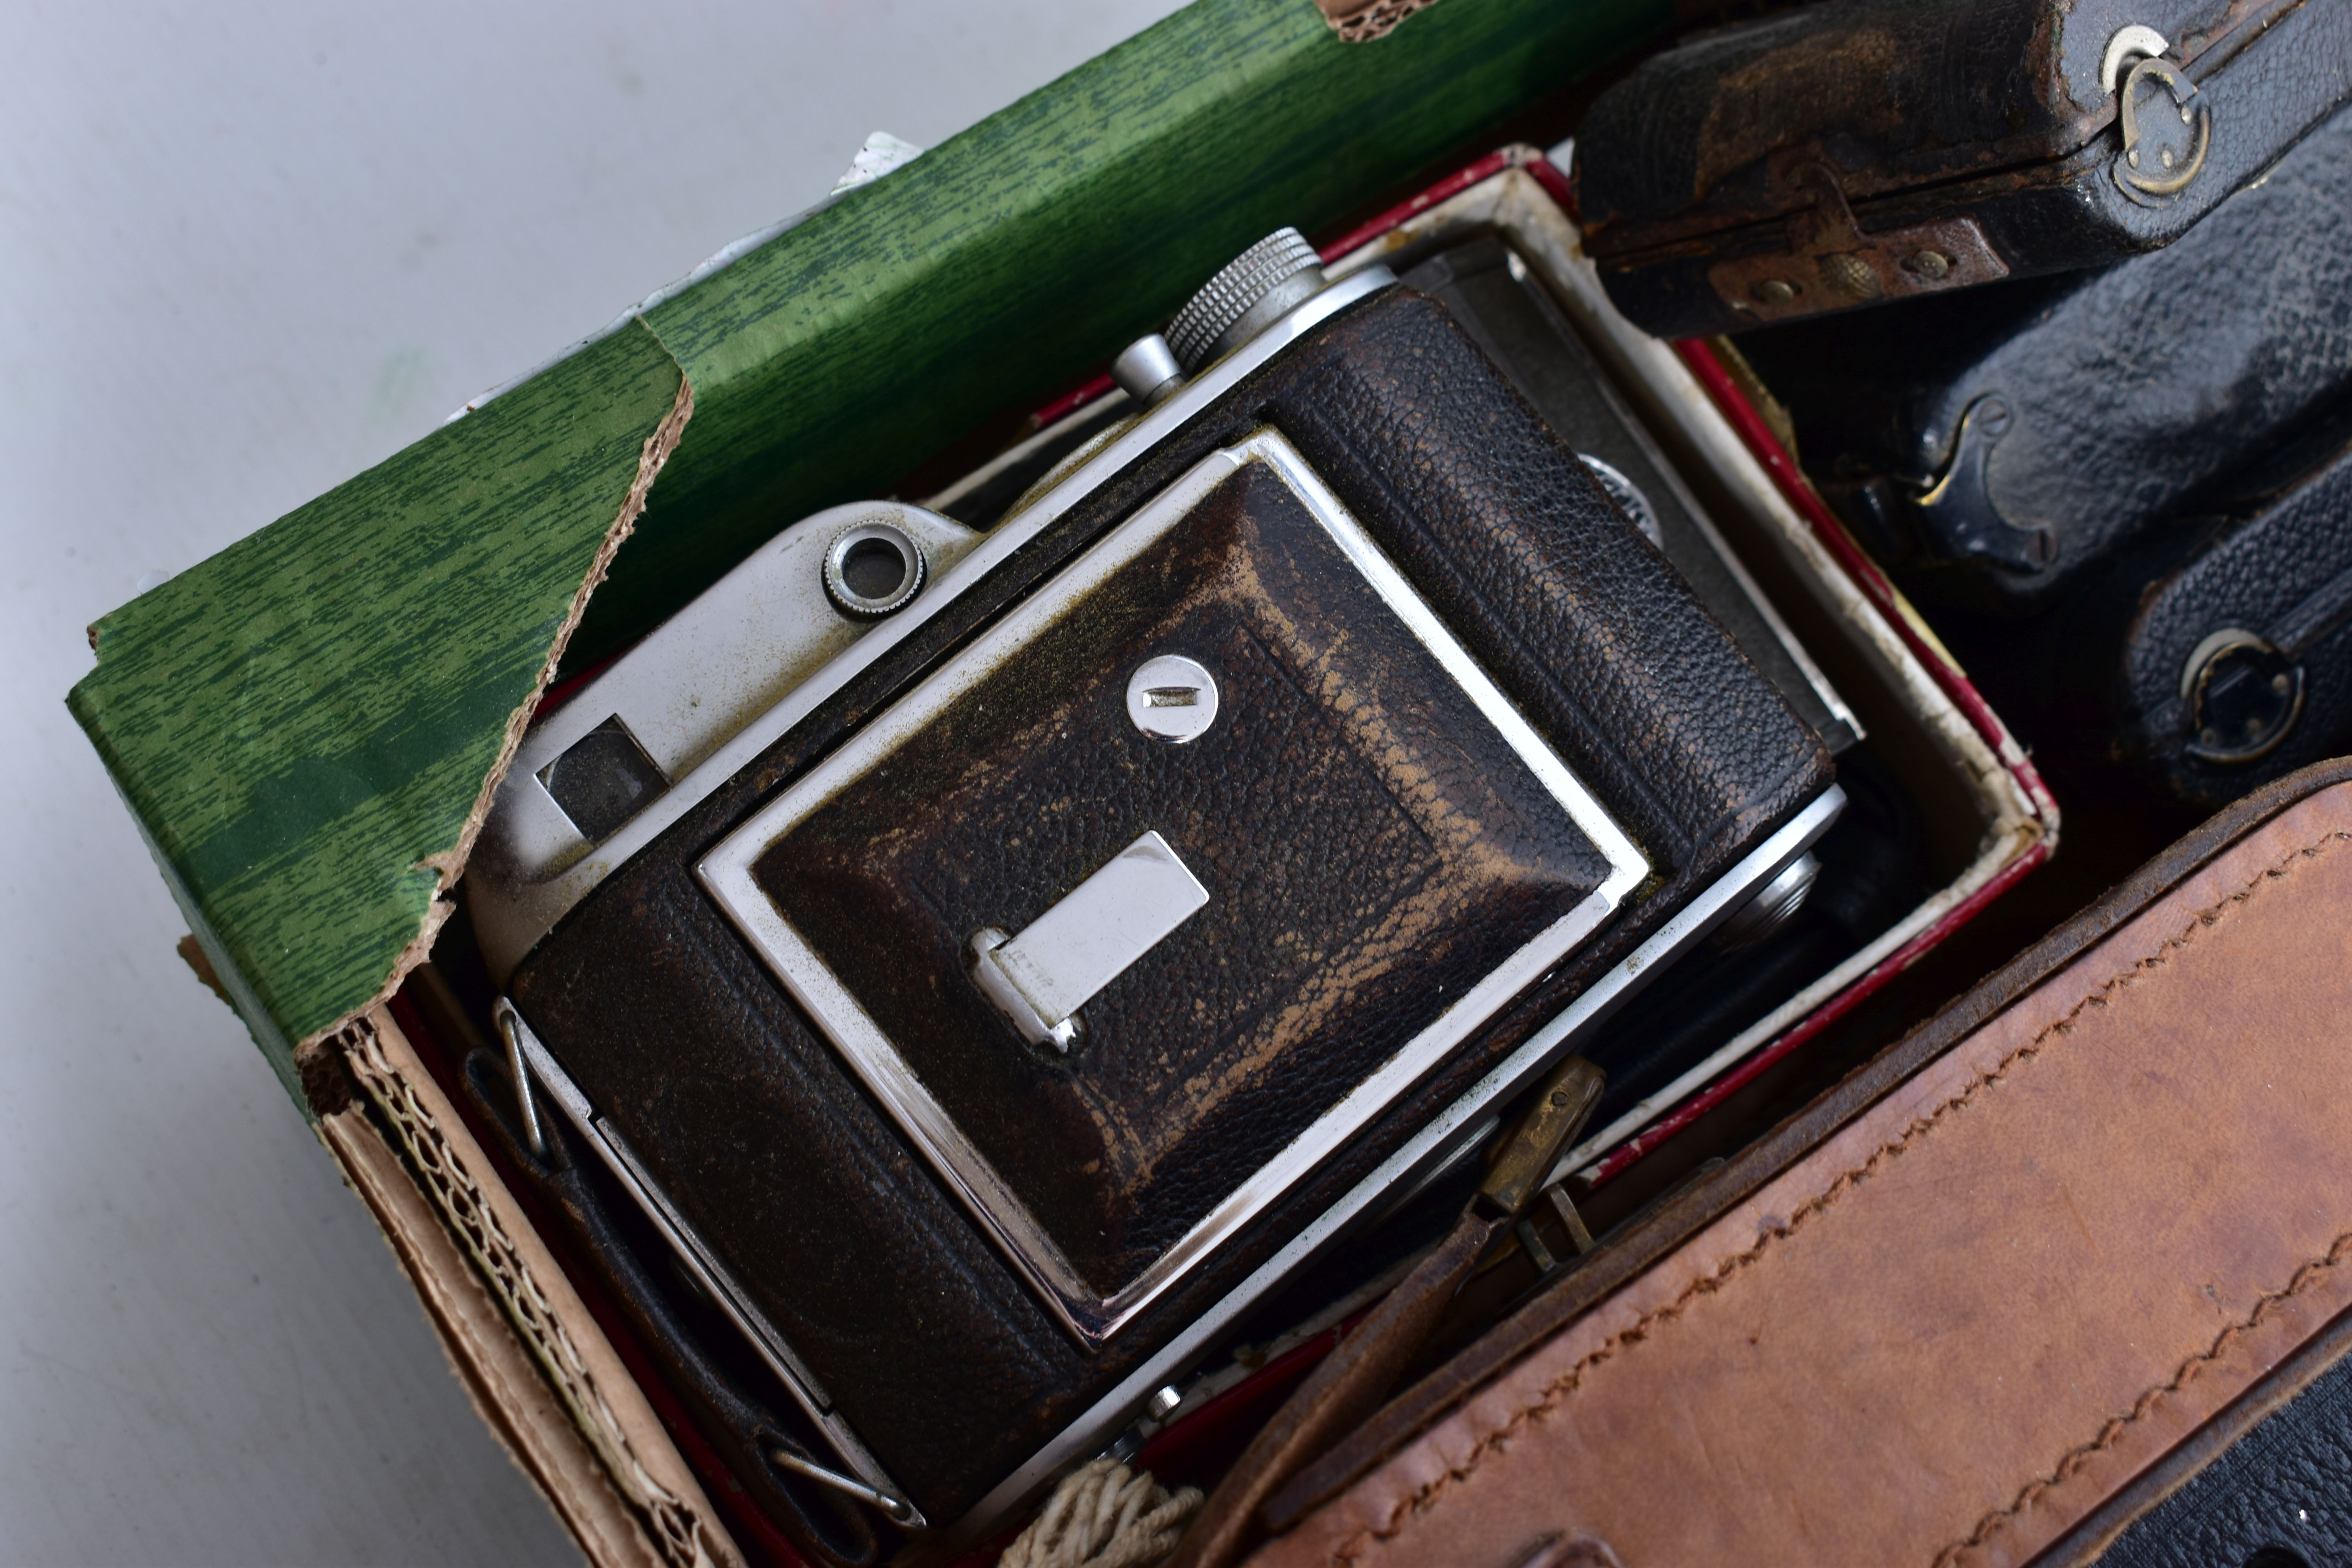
(2217, 655)
(1992, 445)
(1356, 905)
(1860, 151)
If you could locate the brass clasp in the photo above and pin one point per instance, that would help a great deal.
(2149, 170)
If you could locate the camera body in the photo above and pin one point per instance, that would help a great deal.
(1055, 944)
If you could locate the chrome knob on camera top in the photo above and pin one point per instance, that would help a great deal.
(1249, 294)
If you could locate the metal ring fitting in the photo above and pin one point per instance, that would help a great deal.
(874, 570)
(2137, 180)
(2244, 697)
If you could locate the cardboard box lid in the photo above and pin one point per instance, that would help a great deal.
(307, 725)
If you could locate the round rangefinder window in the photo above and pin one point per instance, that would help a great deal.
(873, 569)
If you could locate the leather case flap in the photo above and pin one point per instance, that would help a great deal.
(1864, 150)
(2031, 1268)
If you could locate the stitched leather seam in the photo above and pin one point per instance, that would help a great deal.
(1558, 1389)
(2109, 1435)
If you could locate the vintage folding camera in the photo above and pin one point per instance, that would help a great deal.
(1994, 447)
(988, 959)
(1842, 154)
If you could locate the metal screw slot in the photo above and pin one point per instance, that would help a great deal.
(873, 569)
(1173, 698)
(1775, 291)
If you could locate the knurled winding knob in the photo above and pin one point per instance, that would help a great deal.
(1249, 292)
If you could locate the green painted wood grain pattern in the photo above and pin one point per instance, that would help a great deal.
(302, 719)
(1009, 260)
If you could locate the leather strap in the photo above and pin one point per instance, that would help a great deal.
(1977, 1307)
(1345, 1386)
(1354, 1378)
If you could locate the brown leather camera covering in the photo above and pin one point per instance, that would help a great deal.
(1371, 845)
(2076, 1215)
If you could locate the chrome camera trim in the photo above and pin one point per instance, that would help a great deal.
(1435, 1145)
(712, 1277)
(1090, 1316)
(533, 900)
(1422, 1157)
(527, 873)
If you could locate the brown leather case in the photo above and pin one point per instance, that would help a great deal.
(1954, 1310)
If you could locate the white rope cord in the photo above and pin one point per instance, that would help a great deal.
(1104, 1515)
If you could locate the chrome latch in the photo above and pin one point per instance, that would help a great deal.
(1041, 978)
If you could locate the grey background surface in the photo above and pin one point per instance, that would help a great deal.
(245, 252)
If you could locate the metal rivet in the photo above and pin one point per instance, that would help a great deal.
(1173, 698)
(1774, 291)
(1165, 1401)
(1851, 275)
(1930, 264)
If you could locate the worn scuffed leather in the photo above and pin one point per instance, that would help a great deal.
(2133, 391)
(945, 1363)
(2276, 565)
(1992, 111)
(1980, 1307)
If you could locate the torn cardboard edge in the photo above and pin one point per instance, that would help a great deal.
(1362, 21)
(543, 1376)
(449, 865)
(538, 1369)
